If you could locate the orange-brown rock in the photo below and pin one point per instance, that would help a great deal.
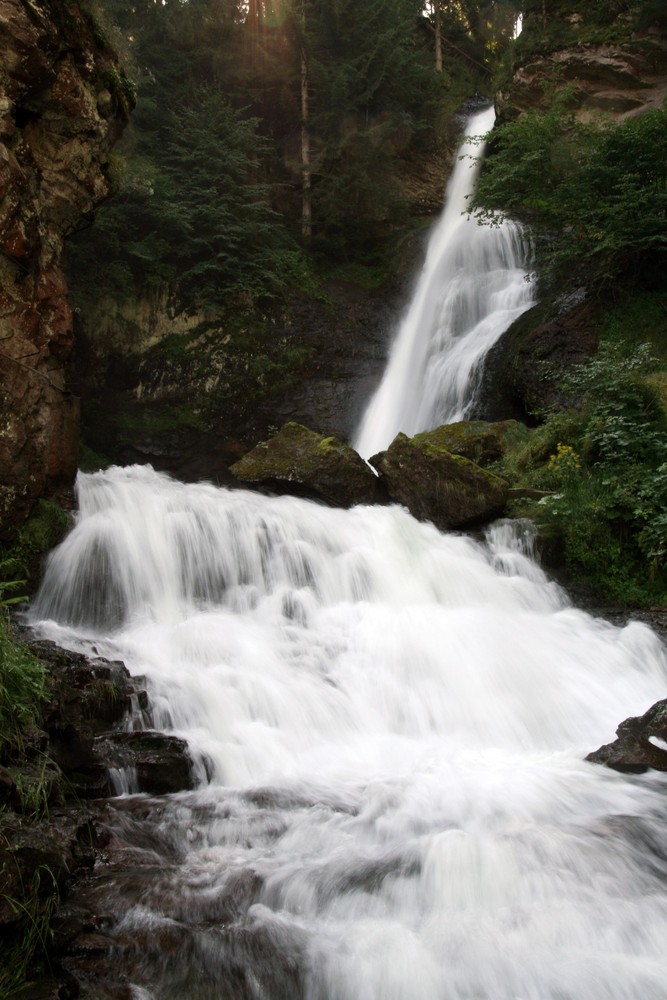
(605, 79)
(63, 102)
(624, 75)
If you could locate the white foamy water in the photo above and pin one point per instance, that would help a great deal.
(471, 288)
(395, 721)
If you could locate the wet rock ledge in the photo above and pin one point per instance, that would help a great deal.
(640, 744)
(52, 795)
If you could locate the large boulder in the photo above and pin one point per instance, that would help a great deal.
(438, 486)
(523, 371)
(633, 752)
(299, 461)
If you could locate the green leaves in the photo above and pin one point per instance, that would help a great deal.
(594, 195)
(199, 215)
(22, 692)
(612, 511)
(234, 244)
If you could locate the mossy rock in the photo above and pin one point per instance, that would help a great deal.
(435, 485)
(299, 461)
(477, 440)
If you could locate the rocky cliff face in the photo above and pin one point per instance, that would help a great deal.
(613, 69)
(189, 393)
(63, 102)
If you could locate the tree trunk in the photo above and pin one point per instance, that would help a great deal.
(253, 26)
(438, 36)
(306, 179)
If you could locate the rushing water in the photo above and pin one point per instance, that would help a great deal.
(394, 721)
(472, 287)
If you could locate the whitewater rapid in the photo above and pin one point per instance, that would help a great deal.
(394, 722)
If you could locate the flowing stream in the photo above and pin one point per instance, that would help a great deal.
(471, 288)
(393, 722)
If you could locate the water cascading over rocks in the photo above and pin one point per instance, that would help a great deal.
(389, 725)
(394, 722)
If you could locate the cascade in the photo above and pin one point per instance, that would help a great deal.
(390, 725)
(394, 722)
(472, 286)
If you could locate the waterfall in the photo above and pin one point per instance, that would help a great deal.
(471, 288)
(394, 721)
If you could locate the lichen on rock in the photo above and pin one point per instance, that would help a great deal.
(478, 440)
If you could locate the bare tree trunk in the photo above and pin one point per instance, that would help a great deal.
(438, 36)
(306, 177)
(253, 24)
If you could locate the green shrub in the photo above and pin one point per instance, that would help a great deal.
(594, 195)
(41, 532)
(609, 478)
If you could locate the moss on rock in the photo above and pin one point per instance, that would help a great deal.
(298, 460)
(477, 440)
(435, 485)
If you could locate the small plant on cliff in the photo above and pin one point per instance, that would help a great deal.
(22, 686)
(26, 945)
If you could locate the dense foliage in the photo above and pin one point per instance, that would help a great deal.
(610, 502)
(201, 214)
(594, 195)
(374, 102)
(209, 177)
(22, 691)
(603, 470)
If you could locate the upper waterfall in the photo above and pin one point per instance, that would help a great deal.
(471, 288)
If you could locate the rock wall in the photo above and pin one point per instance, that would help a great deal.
(189, 393)
(63, 102)
(613, 70)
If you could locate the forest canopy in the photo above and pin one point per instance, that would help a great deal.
(267, 134)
